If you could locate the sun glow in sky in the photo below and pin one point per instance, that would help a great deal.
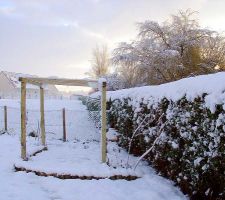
(56, 38)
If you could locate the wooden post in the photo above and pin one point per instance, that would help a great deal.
(5, 118)
(23, 121)
(103, 122)
(64, 125)
(42, 110)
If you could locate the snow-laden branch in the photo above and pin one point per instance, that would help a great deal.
(134, 134)
(153, 145)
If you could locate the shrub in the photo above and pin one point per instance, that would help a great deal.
(191, 146)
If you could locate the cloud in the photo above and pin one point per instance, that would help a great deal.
(7, 9)
(56, 37)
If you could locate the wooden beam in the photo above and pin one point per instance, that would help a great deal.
(5, 118)
(42, 110)
(60, 81)
(103, 122)
(27, 80)
(64, 124)
(55, 81)
(23, 120)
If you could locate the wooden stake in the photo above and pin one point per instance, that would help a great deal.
(5, 118)
(64, 125)
(103, 122)
(42, 109)
(23, 120)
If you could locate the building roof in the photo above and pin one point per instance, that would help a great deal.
(14, 80)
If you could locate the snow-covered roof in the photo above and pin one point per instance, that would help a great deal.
(14, 79)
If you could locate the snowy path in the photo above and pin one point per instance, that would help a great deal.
(76, 156)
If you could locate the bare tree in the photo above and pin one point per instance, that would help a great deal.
(100, 63)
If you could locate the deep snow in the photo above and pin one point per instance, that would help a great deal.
(75, 156)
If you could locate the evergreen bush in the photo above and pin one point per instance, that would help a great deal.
(191, 145)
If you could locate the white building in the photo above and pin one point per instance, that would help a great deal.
(10, 87)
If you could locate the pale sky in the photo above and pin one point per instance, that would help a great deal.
(56, 37)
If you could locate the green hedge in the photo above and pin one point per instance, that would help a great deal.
(191, 147)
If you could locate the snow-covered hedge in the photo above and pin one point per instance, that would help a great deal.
(184, 122)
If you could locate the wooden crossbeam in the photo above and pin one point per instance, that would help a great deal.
(59, 81)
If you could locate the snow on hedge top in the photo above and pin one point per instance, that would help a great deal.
(213, 85)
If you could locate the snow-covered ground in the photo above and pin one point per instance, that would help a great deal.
(80, 155)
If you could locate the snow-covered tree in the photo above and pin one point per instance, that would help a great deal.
(114, 82)
(213, 52)
(172, 50)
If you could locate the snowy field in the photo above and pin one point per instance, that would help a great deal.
(80, 155)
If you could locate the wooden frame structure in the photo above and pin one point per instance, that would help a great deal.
(40, 82)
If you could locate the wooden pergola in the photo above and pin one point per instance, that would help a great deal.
(40, 82)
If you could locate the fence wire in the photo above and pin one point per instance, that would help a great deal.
(94, 110)
(53, 119)
(53, 122)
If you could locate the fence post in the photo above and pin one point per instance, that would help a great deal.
(64, 124)
(103, 122)
(42, 109)
(23, 120)
(5, 118)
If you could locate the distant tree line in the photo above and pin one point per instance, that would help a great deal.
(161, 53)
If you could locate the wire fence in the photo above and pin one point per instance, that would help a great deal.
(94, 110)
(10, 122)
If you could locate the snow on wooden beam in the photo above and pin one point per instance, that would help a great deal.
(59, 81)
